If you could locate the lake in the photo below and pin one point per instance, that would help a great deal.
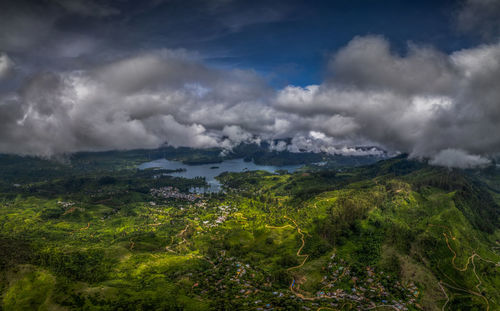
(210, 171)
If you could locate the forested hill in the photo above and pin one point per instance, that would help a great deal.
(398, 234)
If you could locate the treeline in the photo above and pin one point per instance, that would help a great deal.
(86, 186)
(471, 196)
(344, 215)
(87, 265)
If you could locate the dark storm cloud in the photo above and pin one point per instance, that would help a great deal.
(139, 24)
(88, 77)
(88, 8)
(23, 25)
(480, 16)
(6, 66)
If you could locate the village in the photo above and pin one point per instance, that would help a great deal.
(254, 287)
(370, 287)
(174, 193)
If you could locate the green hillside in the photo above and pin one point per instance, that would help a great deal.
(395, 235)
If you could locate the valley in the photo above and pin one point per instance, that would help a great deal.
(395, 235)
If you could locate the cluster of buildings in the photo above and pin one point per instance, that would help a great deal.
(343, 283)
(230, 275)
(253, 289)
(173, 193)
(224, 211)
(65, 205)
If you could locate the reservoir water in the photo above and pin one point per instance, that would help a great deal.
(212, 170)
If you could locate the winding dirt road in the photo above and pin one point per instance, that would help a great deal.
(470, 261)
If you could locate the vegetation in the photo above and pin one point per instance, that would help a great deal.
(93, 234)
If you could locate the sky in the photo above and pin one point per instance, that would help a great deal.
(419, 77)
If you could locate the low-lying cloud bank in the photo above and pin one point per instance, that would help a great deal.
(458, 158)
(445, 107)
